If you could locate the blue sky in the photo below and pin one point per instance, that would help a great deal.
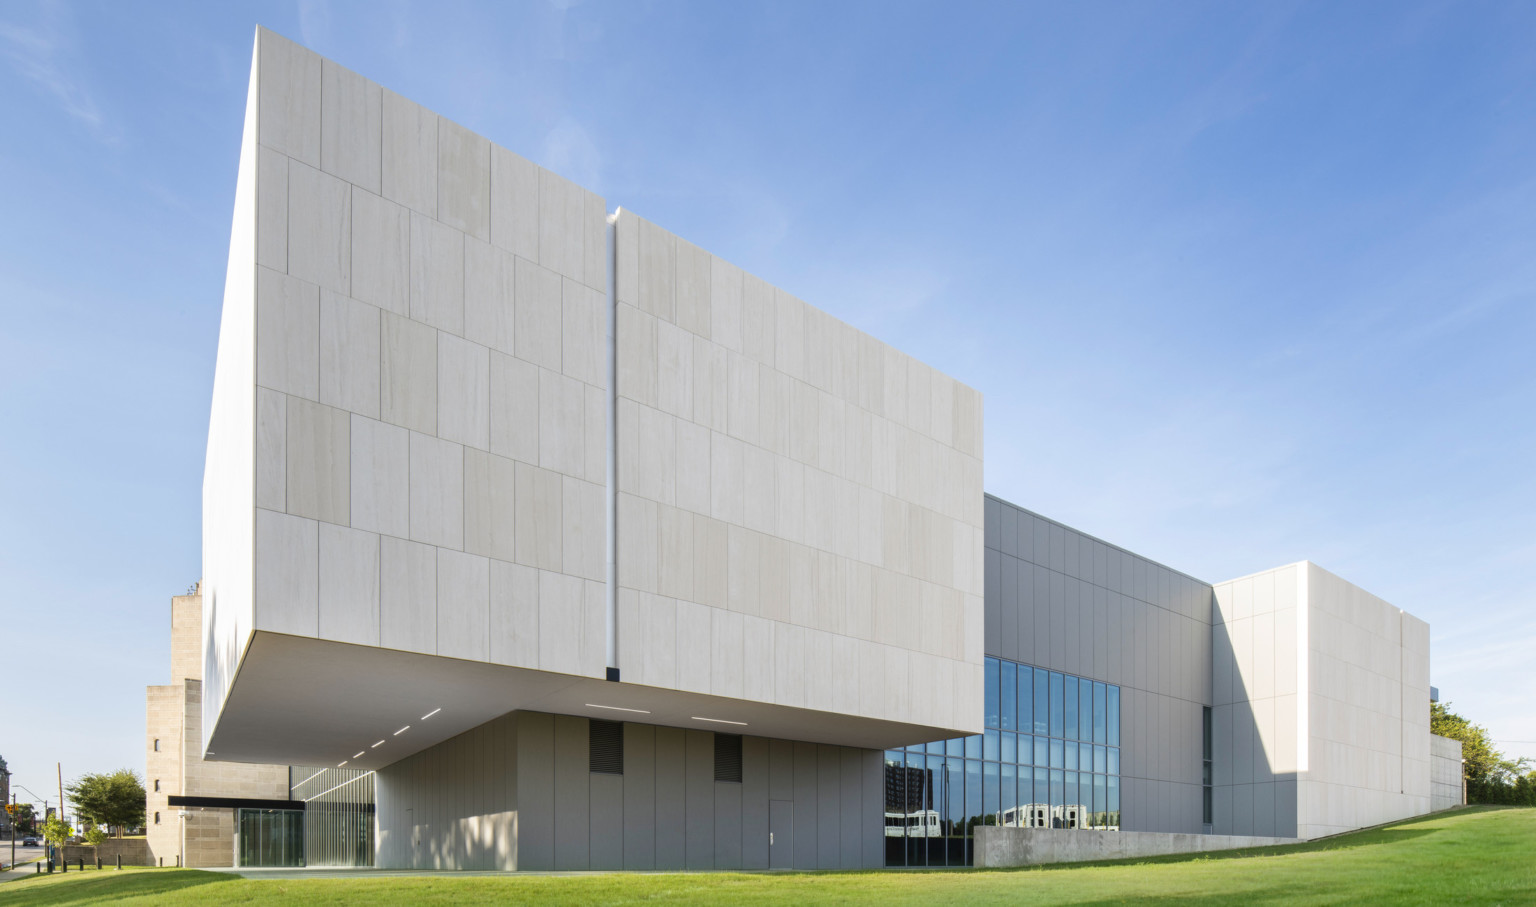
(1243, 283)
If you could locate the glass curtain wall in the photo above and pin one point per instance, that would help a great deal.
(270, 837)
(1049, 758)
(338, 814)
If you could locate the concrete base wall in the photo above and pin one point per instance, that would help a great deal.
(1005, 846)
(135, 852)
(1445, 785)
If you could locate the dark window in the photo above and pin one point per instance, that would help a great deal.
(157, 785)
(1205, 717)
(728, 757)
(157, 818)
(157, 744)
(607, 746)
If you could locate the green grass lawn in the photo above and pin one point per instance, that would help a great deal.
(1479, 855)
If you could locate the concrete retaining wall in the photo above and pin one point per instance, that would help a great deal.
(135, 852)
(1004, 846)
(1445, 786)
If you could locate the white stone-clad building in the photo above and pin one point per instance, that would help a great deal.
(603, 553)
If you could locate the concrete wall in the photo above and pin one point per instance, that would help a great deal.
(516, 793)
(1258, 722)
(800, 505)
(174, 718)
(1062, 600)
(1446, 788)
(1322, 706)
(1368, 674)
(998, 846)
(228, 488)
(134, 851)
(428, 381)
(453, 806)
(162, 768)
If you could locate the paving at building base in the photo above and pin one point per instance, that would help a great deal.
(539, 538)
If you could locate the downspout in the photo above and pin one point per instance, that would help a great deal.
(612, 501)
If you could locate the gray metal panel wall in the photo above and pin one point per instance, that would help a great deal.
(573, 785)
(449, 807)
(699, 799)
(727, 823)
(671, 791)
(639, 796)
(1059, 599)
(805, 805)
(456, 805)
(755, 785)
(535, 790)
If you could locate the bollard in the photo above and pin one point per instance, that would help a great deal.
(80, 863)
(39, 866)
(63, 861)
(162, 863)
(50, 865)
(119, 861)
(98, 861)
(178, 861)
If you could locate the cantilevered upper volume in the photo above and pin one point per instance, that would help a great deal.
(406, 493)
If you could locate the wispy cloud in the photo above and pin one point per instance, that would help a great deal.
(314, 21)
(41, 54)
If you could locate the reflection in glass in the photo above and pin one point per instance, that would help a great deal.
(1066, 779)
(1085, 710)
(898, 810)
(1008, 703)
(1113, 714)
(1008, 802)
(991, 808)
(1058, 704)
(1098, 713)
(991, 668)
(954, 814)
(1069, 713)
(1026, 700)
(1058, 801)
(1042, 801)
(1042, 701)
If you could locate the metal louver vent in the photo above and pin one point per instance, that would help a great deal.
(606, 747)
(728, 757)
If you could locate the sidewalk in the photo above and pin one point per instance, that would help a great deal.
(23, 868)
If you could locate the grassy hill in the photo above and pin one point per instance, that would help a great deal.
(1477, 856)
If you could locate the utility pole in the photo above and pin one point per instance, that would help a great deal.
(60, 767)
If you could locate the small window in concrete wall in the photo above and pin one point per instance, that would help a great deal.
(728, 757)
(606, 742)
(157, 818)
(157, 744)
(157, 785)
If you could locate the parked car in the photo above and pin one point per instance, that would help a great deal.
(30, 841)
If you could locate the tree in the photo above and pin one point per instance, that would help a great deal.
(25, 818)
(1490, 777)
(55, 832)
(95, 836)
(115, 799)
